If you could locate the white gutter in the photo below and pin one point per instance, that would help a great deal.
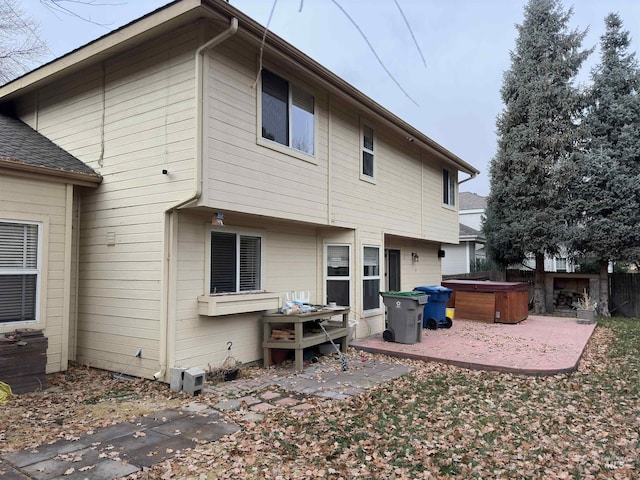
(473, 175)
(167, 337)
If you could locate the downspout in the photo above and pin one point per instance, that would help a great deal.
(169, 220)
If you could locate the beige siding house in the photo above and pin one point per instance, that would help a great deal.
(230, 179)
(39, 200)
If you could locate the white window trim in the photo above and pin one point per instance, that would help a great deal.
(238, 233)
(37, 271)
(452, 177)
(372, 277)
(278, 147)
(362, 150)
(332, 277)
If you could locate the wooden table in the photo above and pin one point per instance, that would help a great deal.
(336, 329)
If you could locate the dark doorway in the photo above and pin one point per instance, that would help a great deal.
(392, 270)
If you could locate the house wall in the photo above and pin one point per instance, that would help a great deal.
(133, 116)
(50, 204)
(291, 256)
(243, 173)
(128, 117)
(456, 258)
(472, 218)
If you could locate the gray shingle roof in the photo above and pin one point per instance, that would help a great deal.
(471, 233)
(472, 201)
(468, 231)
(21, 144)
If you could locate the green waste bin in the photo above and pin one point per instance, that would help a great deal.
(404, 316)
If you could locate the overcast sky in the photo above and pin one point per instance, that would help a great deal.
(466, 45)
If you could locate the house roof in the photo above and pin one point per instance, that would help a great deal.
(181, 12)
(468, 233)
(472, 201)
(22, 149)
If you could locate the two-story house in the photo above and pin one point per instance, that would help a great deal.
(231, 174)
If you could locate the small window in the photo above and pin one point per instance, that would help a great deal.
(288, 113)
(371, 278)
(449, 181)
(367, 152)
(561, 264)
(236, 263)
(19, 271)
(338, 274)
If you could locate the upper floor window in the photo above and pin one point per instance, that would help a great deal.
(449, 180)
(19, 271)
(367, 152)
(236, 262)
(288, 113)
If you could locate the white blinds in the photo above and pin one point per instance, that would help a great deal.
(18, 271)
(18, 245)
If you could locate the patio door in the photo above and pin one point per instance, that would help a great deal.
(392, 270)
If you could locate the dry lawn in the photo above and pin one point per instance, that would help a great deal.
(437, 422)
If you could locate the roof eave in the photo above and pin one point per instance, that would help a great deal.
(189, 10)
(16, 168)
(148, 25)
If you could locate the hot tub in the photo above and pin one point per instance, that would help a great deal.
(500, 302)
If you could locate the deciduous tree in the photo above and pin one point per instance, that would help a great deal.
(20, 43)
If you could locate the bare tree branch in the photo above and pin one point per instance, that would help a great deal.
(58, 6)
(20, 42)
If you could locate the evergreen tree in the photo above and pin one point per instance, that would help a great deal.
(538, 137)
(606, 203)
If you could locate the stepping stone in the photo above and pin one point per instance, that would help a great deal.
(286, 401)
(269, 395)
(261, 407)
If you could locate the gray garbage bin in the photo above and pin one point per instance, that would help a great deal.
(404, 316)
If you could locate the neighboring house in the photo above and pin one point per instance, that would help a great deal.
(472, 240)
(224, 189)
(39, 189)
(462, 258)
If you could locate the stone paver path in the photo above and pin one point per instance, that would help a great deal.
(120, 449)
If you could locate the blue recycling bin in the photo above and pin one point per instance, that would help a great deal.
(435, 311)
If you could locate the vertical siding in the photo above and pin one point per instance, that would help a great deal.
(129, 118)
(45, 202)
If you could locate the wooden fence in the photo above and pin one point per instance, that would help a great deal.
(624, 294)
(624, 288)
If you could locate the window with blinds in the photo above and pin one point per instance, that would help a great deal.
(288, 113)
(371, 278)
(236, 262)
(19, 271)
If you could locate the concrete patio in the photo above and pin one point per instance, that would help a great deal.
(539, 345)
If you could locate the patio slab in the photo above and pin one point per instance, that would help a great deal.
(539, 345)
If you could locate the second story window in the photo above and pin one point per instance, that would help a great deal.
(367, 152)
(288, 113)
(449, 180)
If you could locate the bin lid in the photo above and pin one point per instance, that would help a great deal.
(433, 289)
(402, 294)
(420, 297)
